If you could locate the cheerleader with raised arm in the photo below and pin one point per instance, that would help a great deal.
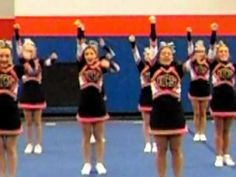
(145, 99)
(100, 44)
(199, 90)
(32, 99)
(167, 120)
(10, 124)
(223, 103)
(92, 112)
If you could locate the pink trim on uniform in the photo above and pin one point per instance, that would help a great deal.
(145, 85)
(84, 86)
(166, 92)
(170, 132)
(12, 132)
(200, 78)
(27, 79)
(92, 119)
(222, 114)
(199, 98)
(144, 108)
(32, 106)
(8, 92)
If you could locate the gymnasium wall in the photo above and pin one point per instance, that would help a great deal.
(6, 18)
(50, 24)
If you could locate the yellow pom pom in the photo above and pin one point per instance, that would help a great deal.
(214, 26)
(152, 19)
(189, 29)
(16, 26)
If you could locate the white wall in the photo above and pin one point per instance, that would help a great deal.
(122, 7)
(6, 9)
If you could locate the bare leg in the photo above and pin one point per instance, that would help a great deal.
(219, 136)
(227, 135)
(38, 125)
(86, 129)
(177, 154)
(146, 120)
(2, 159)
(12, 155)
(203, 110)
(196, 115)
(99, 134)
(162, 143)
(28, 119)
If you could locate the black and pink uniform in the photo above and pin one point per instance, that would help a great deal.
(167, 116)
(223, 103)
(10, 123)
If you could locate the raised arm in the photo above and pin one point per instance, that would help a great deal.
(190, 41)
(213, 40)
(134, 48)
(81, 45)
(18, 39)
(153, 36)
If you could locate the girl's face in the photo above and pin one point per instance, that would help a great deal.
(5, 57)
(199, 54)
(223, 53)
(166, 56)
(90, 55)
(147, 54)
(29, 52)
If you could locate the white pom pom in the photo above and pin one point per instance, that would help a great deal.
(131, 38)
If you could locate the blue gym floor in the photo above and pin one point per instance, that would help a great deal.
(124, 155)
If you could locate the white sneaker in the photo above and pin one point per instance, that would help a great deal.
(228, 160)
(219, 161)
(196, 137)
(101, 169)
(86, 169)
(147, 148)
(92, 139)
(203, 137)
(29, 149)
(154, 147)
(38, 149)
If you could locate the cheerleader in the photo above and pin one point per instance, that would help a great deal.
(81, 44)
(167, 120)
(223, 103)
(91, 110)
(32, 98)
(10, 124)
(199, 91)
(145, 100)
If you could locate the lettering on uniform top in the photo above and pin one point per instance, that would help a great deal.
(92, 75)
(5, 81)
(225, 73)
(167, 81)
(200, 69)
